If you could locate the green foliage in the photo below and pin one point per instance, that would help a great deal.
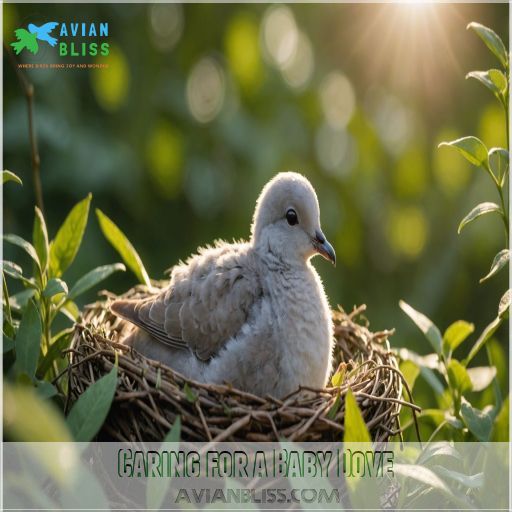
(500, 260)
(27, 342)
(90, 410)
(426, 326)
(27, 418)
(64, 247)
(477, 211)
(500, 429)
(157, 487)
(40, 238)
(458, 381)
(355, 429)
(492, 41)
(34, 349)
(94, 277)
(472, 149)
(10, 176)
(123, 246)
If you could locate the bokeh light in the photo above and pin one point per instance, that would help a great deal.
(243, 52)
(491, 128)
(410, 173)
(338, 99)
(164, 154)
(393, 121)
(407, 231)
(336, 150)
(111, 85)
(166, 22)
(206, 87)
(298, 71)
(280, 35)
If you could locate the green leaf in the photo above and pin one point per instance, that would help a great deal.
(499, 160)
(15, 271)
(504, 306)
(28, 340)
(492, 41)
(475, 481)
(472, 149)
(439, 415)
(59, 342)
(40, 238)
(189, 394)
(457, 333)
(339, 376)
(174, 435)
(356, 430)
(123, 246)
(10, 176)
(478, 422)
(91, 409)
(458, 377)
(500, 429)
(157, 487)
(499, 80)
(65, 246)
(425, 325)
(481, 376)
(70, 310)
(19, 300)
(7, 344)
(422, 475)
(493, 79)
(478, 211)
(26, 246)
(483, 339)
(27, 418)
(46, 390)
(410, 371)
(500, 260)
(54, 287)
(331, 413)
(427, 364)
(94, 277)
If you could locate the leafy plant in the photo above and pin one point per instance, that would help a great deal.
(457, 380)
(494, 161)
(32, 346)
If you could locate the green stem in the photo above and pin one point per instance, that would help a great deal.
(504, 209)
(8, 314)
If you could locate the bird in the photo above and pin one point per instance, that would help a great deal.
(25, 40)
(252, 314)
(43, 32)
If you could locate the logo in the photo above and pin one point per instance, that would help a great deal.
(28, 39)
(74, 39)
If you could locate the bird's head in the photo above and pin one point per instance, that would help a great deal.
(287, 220)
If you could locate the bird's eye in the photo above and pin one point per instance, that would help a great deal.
(291, 217)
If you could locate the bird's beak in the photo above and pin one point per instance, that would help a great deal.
(323, 247)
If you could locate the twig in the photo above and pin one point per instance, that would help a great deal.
(28, 91)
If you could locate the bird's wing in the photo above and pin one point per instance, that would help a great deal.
(47, 27)
(207, 302)
(26, 39)
(22, 34)
(31, 43)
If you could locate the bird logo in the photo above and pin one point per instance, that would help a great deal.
(29, 38)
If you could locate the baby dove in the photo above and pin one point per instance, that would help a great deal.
(253, 314)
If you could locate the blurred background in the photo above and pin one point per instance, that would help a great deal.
(202, 104)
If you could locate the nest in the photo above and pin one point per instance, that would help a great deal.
(150, 396)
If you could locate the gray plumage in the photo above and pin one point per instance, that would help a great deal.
(253, 314)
